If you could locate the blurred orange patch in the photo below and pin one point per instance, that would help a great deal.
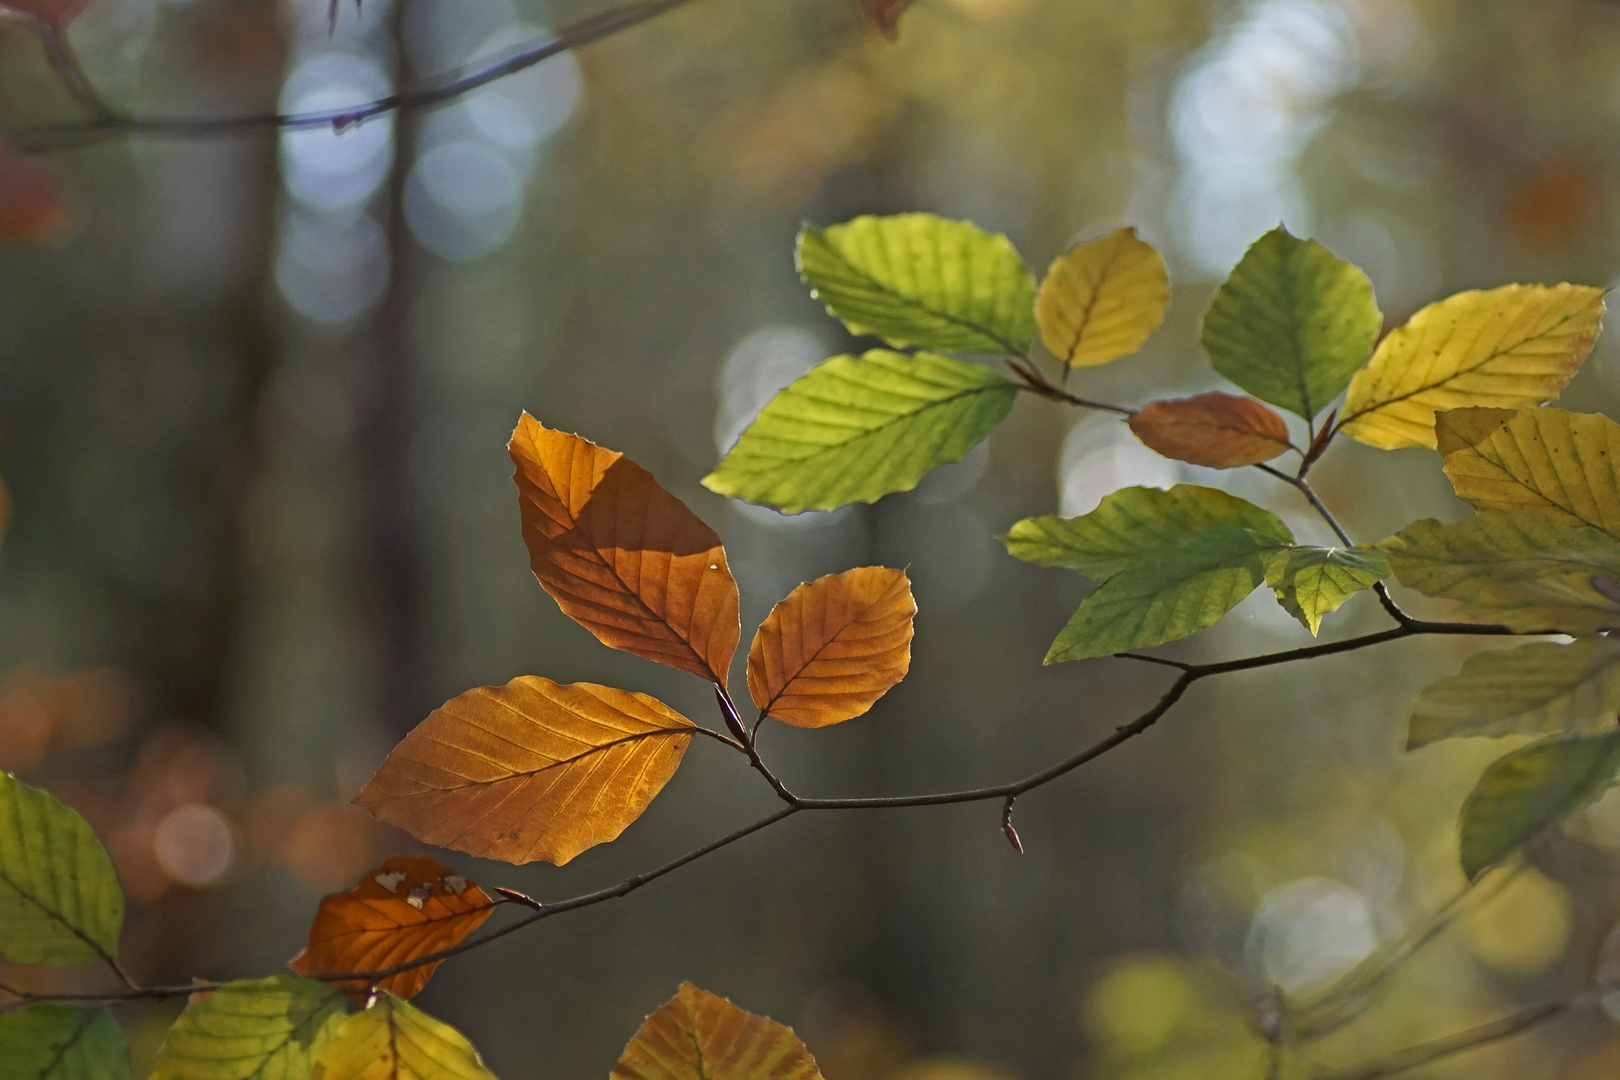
(32, 206)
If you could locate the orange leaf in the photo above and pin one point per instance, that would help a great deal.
(405, 908)
(530, 770)
(57, 13)
(699, 1036)
(621, 556)
(32, 207)
(885, 15)
(1214, 429)
(833, 647)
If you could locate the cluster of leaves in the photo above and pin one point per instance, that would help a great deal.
(60, 904)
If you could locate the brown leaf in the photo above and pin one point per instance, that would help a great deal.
(32, 206)
(530, 770)
(57, 13)
(699, 1036)
(833, 647)
(406, 908)
(621, 556)
(1214, 429)
(885, 15)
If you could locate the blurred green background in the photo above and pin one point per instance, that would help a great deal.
(253, 412)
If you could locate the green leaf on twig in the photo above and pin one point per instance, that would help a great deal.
(57, 1042)
(1311, 582)
(1292, 324)
(857, 428)
(1530, 790)
(1132, 523)
(924, 281)
(60, 902)
(1536, 689)
(258, 1029)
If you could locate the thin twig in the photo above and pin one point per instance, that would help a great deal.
(110, 124)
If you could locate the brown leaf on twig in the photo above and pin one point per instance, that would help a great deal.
(404, 909)
(621, 556)
(1218, 430)
(700, 1036)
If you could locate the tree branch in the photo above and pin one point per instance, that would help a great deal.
(107, 123)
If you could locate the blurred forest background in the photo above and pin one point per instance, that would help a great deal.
(253, 411)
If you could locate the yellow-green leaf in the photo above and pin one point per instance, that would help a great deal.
(394, 1040)
(1530, 790)
(699, 1036)
(1167, 595)
(1520, 568)
(858, 428)
(1562, 464)
(1102, 299)
(1311, 582)
(1505, 348)
(56, 1042)
(1537, 689)
(1134, 522)
(60, 902)
(924, 281)
(257, 1029)
(1292, 324)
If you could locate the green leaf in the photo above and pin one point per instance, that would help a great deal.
(56, 1042)
(259, 1029)
(1134, 522)
(1167, 595)
(925, 281)
(393, 1040)
(1530, 790)
(1292, 324)
(1537, 689)
(59, 898)
(857, 428)
(1311, 582)
(1520, 568)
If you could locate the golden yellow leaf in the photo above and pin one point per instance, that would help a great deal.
(394, 1040)
(623, 557)
(405, 908)
(1102, 299)
(833, 647)
(699, 1036)
(530, 770)
(1219, 430)
(1508, 347)
(1565, 465)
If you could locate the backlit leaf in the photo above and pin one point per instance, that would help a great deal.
(404, 909)
(530, 770)
(924, 281)
(1102, 299)
(1292, 324)
(60, 902)
(1134, 522)
(393, 1040)
(1530, 790)
(1536, 689)
(885, 15)
(858, 428)
(1214, 429)
(1565, 465)
(1520, 568)
(833, 647)
(56, 1042)
(1167, 595)
(623, 557)
(258, 1029)
(1311, 582)
(699, 1036)
(1505, 348)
